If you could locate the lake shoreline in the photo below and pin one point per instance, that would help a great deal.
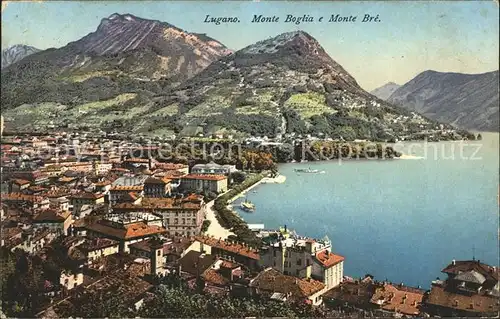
(377, 213)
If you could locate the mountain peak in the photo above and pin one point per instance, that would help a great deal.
(16, 53)
(121, 19)
(386, 90)
(281, 41)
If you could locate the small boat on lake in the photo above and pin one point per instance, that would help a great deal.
(308, 170)
(247, 206)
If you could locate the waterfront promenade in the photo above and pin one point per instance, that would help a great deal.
(215, 229)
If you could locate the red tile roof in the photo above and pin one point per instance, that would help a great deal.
(460, 266)
(170, 166)
(357, 293)
(328, 259)
(21, 182)
(87, 195)
(67, 179)
(208, 177)
(125, 232)
(150, 204)
(136, 160)
(57, 193)
(271, 280)
(235, 248)
(439, 296)
(51, 215)
(21, 197)
(152, 180)
(131, 188)
(212, 276)
(171, 174)
(97, 243)
(103, 183)
(404, 301)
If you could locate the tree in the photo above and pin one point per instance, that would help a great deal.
(101, 305)
(238, 177)
(285, 153)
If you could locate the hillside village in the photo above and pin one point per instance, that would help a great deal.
(104, 222)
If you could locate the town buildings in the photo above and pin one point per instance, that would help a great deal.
(123, 224)
(124, 230)
(239, 252)
(59, 221)
(157, 187)
(213, 169)
(204, 182)
(181, 216)
(471, 289)
(304, 258)
(276, 285)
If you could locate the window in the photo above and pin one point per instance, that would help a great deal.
(158, 253)
(299, 262)
(274, 263)
(274, 253)
(297, 272)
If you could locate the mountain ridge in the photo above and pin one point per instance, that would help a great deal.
(468, 101)
(123, 52)
(285, 84)
(16, 53)
(289, 84)
(385, 91)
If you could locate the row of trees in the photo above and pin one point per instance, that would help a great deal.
(325, 150)
(228, 219)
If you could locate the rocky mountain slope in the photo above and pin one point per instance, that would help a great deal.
(286, 84)
(468, 101)
(16, 53)
(385, 91)
(125, 54)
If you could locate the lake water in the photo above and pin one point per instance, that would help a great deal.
(403, 219)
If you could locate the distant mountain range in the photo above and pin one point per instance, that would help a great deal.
(149, 77)
(468, 101)
(385, 91)
(16, 53)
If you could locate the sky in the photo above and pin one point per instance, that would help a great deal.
(411, 37)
